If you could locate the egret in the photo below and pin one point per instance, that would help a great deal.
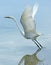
(28, 23)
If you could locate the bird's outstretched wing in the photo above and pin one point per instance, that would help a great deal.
(35, 9)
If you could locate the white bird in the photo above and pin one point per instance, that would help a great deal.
(28, 22)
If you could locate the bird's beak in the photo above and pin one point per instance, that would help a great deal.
(10, 17)
(7, 17)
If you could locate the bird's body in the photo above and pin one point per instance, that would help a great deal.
(28, 22)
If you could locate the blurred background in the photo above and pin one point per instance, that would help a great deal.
(12, 45)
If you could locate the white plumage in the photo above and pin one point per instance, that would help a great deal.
(28, 22)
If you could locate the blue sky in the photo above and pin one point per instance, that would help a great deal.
(10, 37)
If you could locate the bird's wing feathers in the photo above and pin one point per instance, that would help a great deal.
(35, 9)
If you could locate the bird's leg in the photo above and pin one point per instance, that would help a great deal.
(36, 43)
(39, 44)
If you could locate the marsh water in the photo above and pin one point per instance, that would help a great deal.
(15, 50)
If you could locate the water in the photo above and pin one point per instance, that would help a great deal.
(13, 56)
(13, 49)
